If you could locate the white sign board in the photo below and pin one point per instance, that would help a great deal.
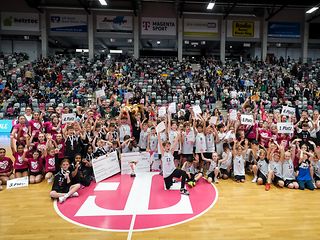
(196, 110)
(105, 166)
(162, 111)
(172, 108)
(114, 24)
(158, 26)
(213, 120)
(14, 21)
(18, 182)
(285, 127)
(233, 115)
(160, 127)
(200, 27)
(247, 119)
(68, 118)
(128, 95)
(68, 23)
(100, 93)
(288, 111)
(142, 161)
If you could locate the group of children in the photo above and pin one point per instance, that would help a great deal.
(190, 148)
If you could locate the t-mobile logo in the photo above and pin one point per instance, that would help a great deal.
(146, 25)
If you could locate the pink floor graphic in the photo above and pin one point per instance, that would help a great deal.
(121, 203)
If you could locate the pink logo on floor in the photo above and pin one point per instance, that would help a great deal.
(121, 203)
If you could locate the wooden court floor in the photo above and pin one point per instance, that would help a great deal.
(243, 211)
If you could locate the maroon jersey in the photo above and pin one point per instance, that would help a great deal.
(50, 163)
(6, 165)
(19, 163)
(35, 165)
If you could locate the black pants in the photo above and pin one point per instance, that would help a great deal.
(176, 173)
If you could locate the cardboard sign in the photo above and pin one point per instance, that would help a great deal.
(196, 110)
(285, 127)
(162, 111)
(247, 119)
(18, 182)
(172, 108)
(100, 93)
(68, 118)
(142, 161)
(160, 127)
(105, 166)
(128, 95)
(233, 115)
(288, 111)
(213, 120)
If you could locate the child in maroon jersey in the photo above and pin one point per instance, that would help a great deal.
(21, 163)
(6, 168)
(35, 168)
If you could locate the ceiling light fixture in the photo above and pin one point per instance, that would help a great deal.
(211, 5)
(311, 10)
(103, 2)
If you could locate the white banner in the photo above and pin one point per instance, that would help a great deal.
(172, 108)
(105, 166)
(288, 111)
(13, 21)
(100, 93)
(68, 23)
(162, 111)
(158, 26)
(114, 24)
(200, 27)
(247, 119)
(18, 182)
(160, 127)
(196, 110)
(233, 115)
(68, 118)
(142, 161)
(285, 127)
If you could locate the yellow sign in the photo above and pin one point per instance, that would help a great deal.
(243, 29)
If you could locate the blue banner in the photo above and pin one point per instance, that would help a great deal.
(284, 30)
(5, 126)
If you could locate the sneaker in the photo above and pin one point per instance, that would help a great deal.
(190, 184)
(216, 180)
(75, 194)
(62, 199)
(194, 184)
(254, 180)
(50, 180)
(132, 175)
(184, 191)
(268, 186)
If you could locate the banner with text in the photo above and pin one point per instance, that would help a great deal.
(286, 127)
(200, 27)
(247, 119)
(142, 161)
(114, 24)
(13, 21)
(284, 30)
(243, 29)
(158, 26)
(68, 23)
(18, 182)
(105, 166)
(5, 126)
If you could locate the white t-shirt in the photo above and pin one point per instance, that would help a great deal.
(123, 131)
(288, 170)
(200, 143)
(228, 162)
(143, 140)
(172, 137)
(167, 164)
(210, 143)
(153, 143)
(188, 142)
(238, 166)
(263, 166)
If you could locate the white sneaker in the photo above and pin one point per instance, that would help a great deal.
(254, 179)
(75, 194)
(216, 180)
(62, 199)
(50, 180)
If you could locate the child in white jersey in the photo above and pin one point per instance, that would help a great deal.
(261, 168)
(191, 169)
(288, 173)
(124, 125)
(275, 169)
(187, 139)
(200, 143)
(213, 170)
(226, 162)
(239, 153)
(143, 140)
(168, 167)
(172, 135)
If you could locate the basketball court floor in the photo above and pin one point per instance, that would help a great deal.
(125, 208)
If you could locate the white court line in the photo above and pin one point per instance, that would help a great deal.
(131, 227)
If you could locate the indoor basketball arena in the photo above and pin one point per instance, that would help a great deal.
(159, 119)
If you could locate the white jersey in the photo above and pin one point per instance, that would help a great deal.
(167, 164)
(143, 140)
(200, 143)
(276, 167)
(210, 143)
(153, 143)
(172, 137)
(263, 167)
(238, 166)
(212, 167)
(316, 166)
(188, 142)
(123, 131)
(163, 137)
(189, 169)
(228, 162)
(219, 145)
(288, 170)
